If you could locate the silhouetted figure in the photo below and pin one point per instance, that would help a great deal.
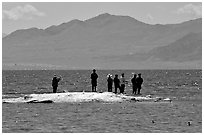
(139, 81)
(110, 83)
(116, 83)
(123, 81)
(55, 81)
(134, 84)
(94, 77)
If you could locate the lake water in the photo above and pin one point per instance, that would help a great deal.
(184, 87)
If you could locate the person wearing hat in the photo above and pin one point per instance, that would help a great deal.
(110, 83)
(94, 77)
(55, 82)
(139, 81)
(134, 84)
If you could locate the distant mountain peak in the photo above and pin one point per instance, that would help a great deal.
(54, 29)
(100, 17)
(27, 32)
(107, 19)
(105, 15)
(75, 21)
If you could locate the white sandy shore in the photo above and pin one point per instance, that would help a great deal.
(81, 97)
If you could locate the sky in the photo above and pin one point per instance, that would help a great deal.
(23, 15)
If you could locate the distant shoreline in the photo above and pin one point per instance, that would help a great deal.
(91, 69)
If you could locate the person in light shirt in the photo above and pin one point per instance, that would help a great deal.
(122, 82)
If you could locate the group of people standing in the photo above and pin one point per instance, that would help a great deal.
(136, 83)
(119, 83)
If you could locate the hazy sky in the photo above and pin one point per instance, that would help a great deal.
(42, 15)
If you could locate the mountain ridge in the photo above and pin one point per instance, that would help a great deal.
(86, 43)
(188, 46)
(107, 14)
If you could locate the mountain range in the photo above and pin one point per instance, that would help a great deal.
(106, 42)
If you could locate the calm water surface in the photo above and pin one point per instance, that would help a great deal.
(184, 87)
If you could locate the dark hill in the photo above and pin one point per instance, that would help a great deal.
(187, 48)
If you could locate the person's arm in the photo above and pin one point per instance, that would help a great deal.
(52, 82)
(58, 79)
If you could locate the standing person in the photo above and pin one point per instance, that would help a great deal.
(116, 83)
(94, 77)
(134, 84)
(123, 81)
(139, 81)
(110, 83)
(55, 82)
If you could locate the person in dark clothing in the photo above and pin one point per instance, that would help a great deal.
(139, 81)
(110, 83)
(55, 82)
(94, 77)
(116, 83)
(134, 84)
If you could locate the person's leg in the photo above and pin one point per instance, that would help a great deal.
(95, 84)
(139, 88)
(134, 90)
(111, 88)
(119, 88)
(54, 89)
(122, 88)
(92, 88)
(115, 89)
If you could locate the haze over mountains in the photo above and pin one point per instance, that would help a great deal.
(106, 42)
(3, 35)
